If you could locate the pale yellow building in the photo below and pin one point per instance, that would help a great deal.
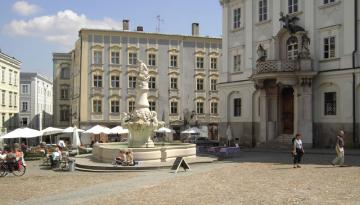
(95, 82)
(9, 92)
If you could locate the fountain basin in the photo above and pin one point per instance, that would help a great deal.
(162, 152)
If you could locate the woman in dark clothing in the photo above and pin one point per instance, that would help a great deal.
(298, 151)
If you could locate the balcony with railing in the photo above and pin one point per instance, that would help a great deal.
(276, 66)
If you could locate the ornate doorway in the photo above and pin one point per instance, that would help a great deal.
(287, 110)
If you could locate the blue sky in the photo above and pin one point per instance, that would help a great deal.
(32, 30)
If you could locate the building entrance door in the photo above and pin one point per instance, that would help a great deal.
(287, 110)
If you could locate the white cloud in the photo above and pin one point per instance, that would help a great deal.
(61, 28)
(25, 9)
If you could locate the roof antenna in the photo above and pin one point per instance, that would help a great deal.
(159, 21)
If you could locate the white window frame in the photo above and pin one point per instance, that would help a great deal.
(98, 59)
(200, 62)
(213, 63)
(263, 10)
(236, 18)
(132, 81)
(132, 57)
(295, 4)
(214, 110)
(152, 82)
(115, 80)
(152, 59)
(98, 81)
(200, 83)
(25, 86)
(213, 87)
(97, 105)
(115, 59)
(131, 105)
(237, 61)
(173, 62)
(174, 84)
(22, 106)
(331, 52)
(200, 107)
(115, 106)
(237, 114)
(152, 105)
(174, 106)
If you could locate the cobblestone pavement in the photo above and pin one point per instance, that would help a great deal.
(250, 178)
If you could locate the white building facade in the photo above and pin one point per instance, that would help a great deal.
(95, 82)
(36, 101)
(9, 92)
(290, 66)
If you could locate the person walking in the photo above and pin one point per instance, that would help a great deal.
(298, 151)
(339, 148)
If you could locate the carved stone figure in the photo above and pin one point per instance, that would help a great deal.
(141, 122)
(289, 23)
(261, 53)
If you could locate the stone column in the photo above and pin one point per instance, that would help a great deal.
(263, 117)
(303, 110)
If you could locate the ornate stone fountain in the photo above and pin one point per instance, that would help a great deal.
(141, 122)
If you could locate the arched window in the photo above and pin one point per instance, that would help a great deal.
(65, 73)
(292, 48)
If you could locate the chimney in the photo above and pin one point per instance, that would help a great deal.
(125, 25)
(139, 28)
(195, 29)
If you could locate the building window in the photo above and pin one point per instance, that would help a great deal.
(173, 83)
(24, 122)
(152, 59)
(3, 75)
(200, 108)
(237, 17)
(174, 107)
(328, 1)
(10, 77)
(98, 57)
(330, 103)
(3, 119)
(199, 84)
(64, 113)
(115, 106)
(213, 83)
(97, 105)
(200, 62)
(115, 81)
(152, 105)
(263, 10)
(237, 107)
(65, 73)
(213, 63)
(329, 47)
(237, 63)
(152, 83)
(131, 105)
(214, 108)
(15, 78)
(24, 106)
(98, 81)
(132, 81)
(24, 89)
(10, 99)
(64, 93)
(3, 98)
(15, 99)
(292, 48)
(173, 61)
(293, 6)
(115, 57)
(132, 58)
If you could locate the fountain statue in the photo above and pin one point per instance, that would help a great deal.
(141, 122)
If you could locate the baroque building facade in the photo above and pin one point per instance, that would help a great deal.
(290, 66)
(96, 81)
(36, 101)
(9, 90)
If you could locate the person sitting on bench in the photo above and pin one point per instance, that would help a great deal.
(121, 158)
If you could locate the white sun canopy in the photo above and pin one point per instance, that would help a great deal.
(98, 129)
(118, 130)
(22, 133)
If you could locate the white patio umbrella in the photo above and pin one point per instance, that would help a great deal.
(165, 130)
(98, 129)
(71, 130)
(51, 131)
(229, 135)
(118, 130)
(191, 130)
(22, 133)
(75, 138)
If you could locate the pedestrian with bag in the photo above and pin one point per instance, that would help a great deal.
(339, 148)
(298, 151)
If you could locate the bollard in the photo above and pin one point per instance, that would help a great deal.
(71, 165)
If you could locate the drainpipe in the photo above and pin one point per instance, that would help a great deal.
(79, 97)
(354, 67)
